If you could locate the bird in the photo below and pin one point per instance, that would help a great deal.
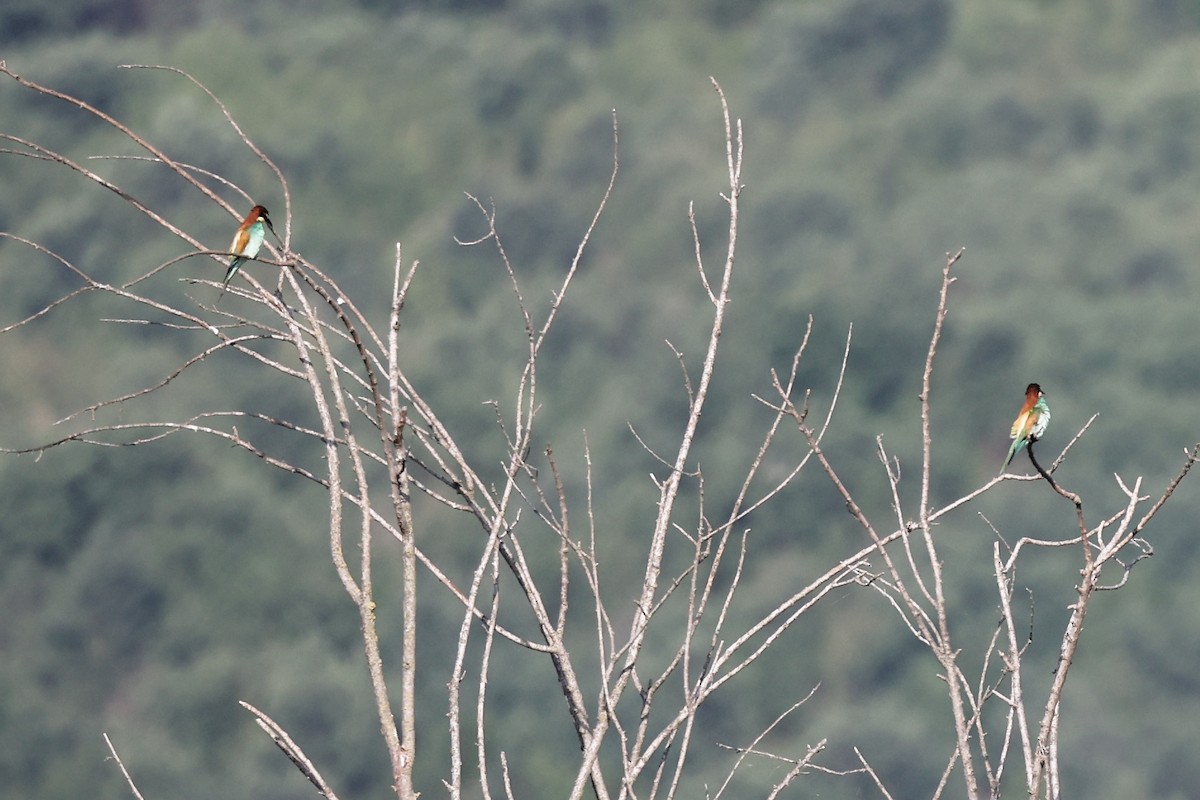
(1030, 424)
(247, 241)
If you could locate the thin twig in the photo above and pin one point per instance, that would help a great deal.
(290, 749)
(121, 764)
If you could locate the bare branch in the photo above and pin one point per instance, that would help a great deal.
(121, 764)
(290, 749)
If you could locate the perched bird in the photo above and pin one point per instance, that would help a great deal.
(247, 241)
(1030, 424)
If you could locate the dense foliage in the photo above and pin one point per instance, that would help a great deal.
(146, 591)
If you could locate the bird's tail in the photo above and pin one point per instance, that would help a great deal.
(1012, 451)
(234, 266)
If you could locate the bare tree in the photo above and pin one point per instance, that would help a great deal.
(634, 709)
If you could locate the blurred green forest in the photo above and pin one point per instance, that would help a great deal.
(147, 590)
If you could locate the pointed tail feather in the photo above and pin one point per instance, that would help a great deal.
(234, 266)
(1012, 451)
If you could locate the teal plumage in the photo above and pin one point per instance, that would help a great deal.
(247, 241)
(1030, 424)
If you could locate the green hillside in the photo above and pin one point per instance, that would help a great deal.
(147, 590)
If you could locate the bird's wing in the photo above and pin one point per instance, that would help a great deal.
(1019, 425)
(240, 240)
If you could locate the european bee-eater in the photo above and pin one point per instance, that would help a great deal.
(247, 241)
(1030, 424)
